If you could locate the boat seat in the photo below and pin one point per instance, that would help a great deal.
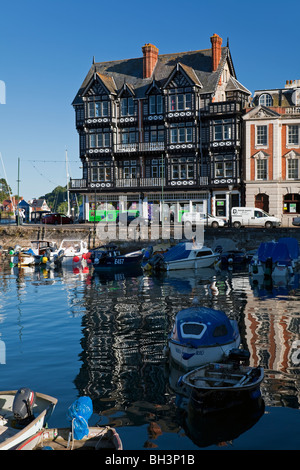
(6, 432)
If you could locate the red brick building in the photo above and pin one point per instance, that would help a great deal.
(272, 152)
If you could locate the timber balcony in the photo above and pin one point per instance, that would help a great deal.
(78, 185)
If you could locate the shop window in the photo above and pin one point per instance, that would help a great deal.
(291, 203)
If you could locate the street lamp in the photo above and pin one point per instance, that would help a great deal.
(230, 187)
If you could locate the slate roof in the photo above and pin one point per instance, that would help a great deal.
(196, 64)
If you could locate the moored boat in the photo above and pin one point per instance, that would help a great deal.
(218, 383)
(201, 335)
(74, 252)
(98, 438)
(279, 259)
(189, 255)
(23, 413)
(109, 257)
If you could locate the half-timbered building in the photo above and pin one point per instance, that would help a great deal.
(162, 128)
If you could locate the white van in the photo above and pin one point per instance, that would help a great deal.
(243, 216)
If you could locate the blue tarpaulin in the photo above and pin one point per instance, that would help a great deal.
(79, 413)
(179, 251)
(293, 246)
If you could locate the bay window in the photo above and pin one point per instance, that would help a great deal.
(181, 133)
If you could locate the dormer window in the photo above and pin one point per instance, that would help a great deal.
(265, 100)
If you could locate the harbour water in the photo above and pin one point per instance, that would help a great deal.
(71, 333)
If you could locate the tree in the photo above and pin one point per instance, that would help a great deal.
(5, 190)
(57, 199)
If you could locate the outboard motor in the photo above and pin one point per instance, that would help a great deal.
(23, 406)
(237, 355)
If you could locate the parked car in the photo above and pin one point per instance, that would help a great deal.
(193, 218)
(130, 218)
(56, 219)
(296, 221)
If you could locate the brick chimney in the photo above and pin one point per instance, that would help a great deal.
(216, 43)
(150, 53)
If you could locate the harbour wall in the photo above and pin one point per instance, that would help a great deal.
(244, 238)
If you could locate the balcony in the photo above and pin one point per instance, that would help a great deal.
(140, 147)
(136, 183)
(226, 107)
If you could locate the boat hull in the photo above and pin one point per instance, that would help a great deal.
(189, 358)
(219, 385)
(98, 438)
(192, 263)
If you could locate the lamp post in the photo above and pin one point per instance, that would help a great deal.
(230, 187)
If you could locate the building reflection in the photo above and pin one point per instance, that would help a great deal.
(125, 327)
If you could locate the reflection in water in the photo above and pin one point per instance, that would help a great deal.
(223, 427)
(125, 321)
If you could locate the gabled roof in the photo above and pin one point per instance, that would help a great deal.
(197, 65)
(188, 72)
(234, 85)
(261, 112)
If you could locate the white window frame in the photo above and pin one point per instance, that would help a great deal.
(261, 144)
(265, 100)
(257, 170)
(290, 162)
(293, 135)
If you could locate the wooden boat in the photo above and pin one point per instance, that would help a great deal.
(13, 429)
(216, 384)
(98, 438)
(201, 335)
(108, 256)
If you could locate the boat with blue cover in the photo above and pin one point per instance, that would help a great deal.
(276, 259)
(201, 335)
(189, 255)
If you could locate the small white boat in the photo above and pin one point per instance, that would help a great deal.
(23, 413)
(98, 438)
(74, 252)
(189, 255)
(21, 257)
(201, 335)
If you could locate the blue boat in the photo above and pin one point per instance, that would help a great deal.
(201, 335)
(276, 259)
(109, 257)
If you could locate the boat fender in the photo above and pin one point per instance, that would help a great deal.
(76, 259)
(44, 259)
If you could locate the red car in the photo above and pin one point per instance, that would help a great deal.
(56, 219)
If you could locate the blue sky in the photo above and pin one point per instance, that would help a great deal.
(47, 48)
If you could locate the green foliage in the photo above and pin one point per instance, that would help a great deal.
(5, 190)
(57, 199)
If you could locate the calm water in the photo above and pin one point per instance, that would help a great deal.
(69, 333)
